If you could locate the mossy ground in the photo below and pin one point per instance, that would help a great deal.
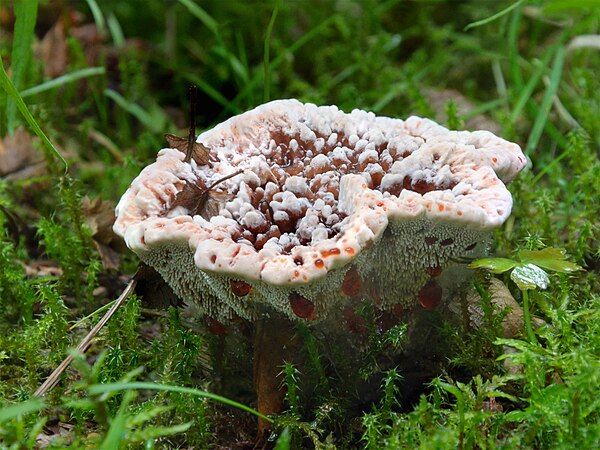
(522, 74)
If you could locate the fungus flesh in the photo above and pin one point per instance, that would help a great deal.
(328, 205)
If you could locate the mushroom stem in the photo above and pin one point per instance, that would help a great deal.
(275, 342)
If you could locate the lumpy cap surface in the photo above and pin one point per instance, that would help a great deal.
(321, 192)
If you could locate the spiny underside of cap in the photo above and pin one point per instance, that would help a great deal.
(330, 207)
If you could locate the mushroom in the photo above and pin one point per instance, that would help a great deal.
(328, 207)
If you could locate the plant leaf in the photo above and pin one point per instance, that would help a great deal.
(7, 85)
(550, 258)
(200, 152)
(530, 276)
(117, 430)
(97, 389)
(25, 14)
(284, 440)
(493, 17)
(156, 432)
(62, 80)
(20, 409)
(494, 265)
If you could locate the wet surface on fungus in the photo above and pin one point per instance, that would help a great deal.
(328, 208)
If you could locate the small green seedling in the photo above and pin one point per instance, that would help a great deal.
(528, 272)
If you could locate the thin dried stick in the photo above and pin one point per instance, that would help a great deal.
(54, 377)
(193, 98)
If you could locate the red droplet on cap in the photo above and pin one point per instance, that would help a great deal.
(240, 288)
(302, 307)
(430, 240)
(352, 283)
(398, 310)
(430, 295)
(433, 271)
(330, 252)
(216, 327)
(354, 322)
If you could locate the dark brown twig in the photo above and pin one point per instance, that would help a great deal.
(193, 97)
(225, 178)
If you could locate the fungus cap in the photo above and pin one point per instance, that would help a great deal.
(329, 205)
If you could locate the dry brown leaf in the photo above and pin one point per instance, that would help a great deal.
(53, 50)
(110, 258)
(512, 324)
(19, 159)
(42, 268)
(502, 299)
(192, 197)
(100, 217)
(202, 200)
(200, 152)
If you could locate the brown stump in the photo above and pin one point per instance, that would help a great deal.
(275, 342)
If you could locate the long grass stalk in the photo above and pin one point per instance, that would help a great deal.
(62, 80)
(12, 92)
(25, 16)
(266, 54)
(97, 389)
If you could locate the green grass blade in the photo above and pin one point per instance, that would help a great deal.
(284, 441)
(93, 314)
(26, 407)
(243, 56)
(97, 14)
(239, 69)
(221, 49)
(201, 15)
(280, 58)
(117, 429)
(62, 80)
(513, 48)
(388, 97)
(483, 108)
(499, 80)
(26, 13)
(132, 108)
(542, 115)
(493, 17)
(266, 53)
(549, 166)
(11, 91)
(96, 389)
(211, 92)
(534, 79)
(116, 31)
